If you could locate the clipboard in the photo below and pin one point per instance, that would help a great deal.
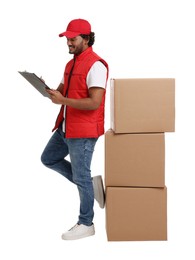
(36, 82)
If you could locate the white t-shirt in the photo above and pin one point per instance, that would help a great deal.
(96, 77)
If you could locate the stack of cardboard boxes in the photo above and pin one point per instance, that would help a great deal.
(142, 110)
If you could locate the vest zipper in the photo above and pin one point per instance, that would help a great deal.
(69, 78)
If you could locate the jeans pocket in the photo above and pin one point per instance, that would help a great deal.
(90, 144)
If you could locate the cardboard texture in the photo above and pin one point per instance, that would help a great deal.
(136, 214)
(142, 105)
(134, 159)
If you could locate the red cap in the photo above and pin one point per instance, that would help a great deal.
(77, 27)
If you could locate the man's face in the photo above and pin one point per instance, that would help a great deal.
(77, 45)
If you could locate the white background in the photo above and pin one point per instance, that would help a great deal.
(138, 38)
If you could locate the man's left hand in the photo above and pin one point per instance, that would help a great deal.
(56, 96)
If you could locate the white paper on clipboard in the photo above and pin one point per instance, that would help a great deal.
(36, 82)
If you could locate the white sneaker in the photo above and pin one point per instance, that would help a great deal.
(99, 193)
(79, 231)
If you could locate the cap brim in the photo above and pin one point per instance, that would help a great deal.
(69, 34)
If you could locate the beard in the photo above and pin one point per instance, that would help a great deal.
(76, 49)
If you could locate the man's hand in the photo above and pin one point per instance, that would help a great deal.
(56, 96)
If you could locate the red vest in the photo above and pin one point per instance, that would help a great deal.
(81, 123)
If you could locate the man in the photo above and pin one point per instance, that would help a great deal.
(80, 122)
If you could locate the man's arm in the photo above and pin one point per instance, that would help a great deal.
(90, 103)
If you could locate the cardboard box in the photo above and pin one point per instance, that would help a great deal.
(142, 105)
(134, 159)
(136, 214)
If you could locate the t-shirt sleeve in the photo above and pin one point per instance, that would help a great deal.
(97, 75)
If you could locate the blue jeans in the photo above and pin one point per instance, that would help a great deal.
(77, 170)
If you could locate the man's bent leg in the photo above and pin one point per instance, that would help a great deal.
(54, 153)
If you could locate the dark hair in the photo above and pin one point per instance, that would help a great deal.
(90, 37)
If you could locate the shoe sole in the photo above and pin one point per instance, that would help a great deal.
(78, 237)
(100, 190)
